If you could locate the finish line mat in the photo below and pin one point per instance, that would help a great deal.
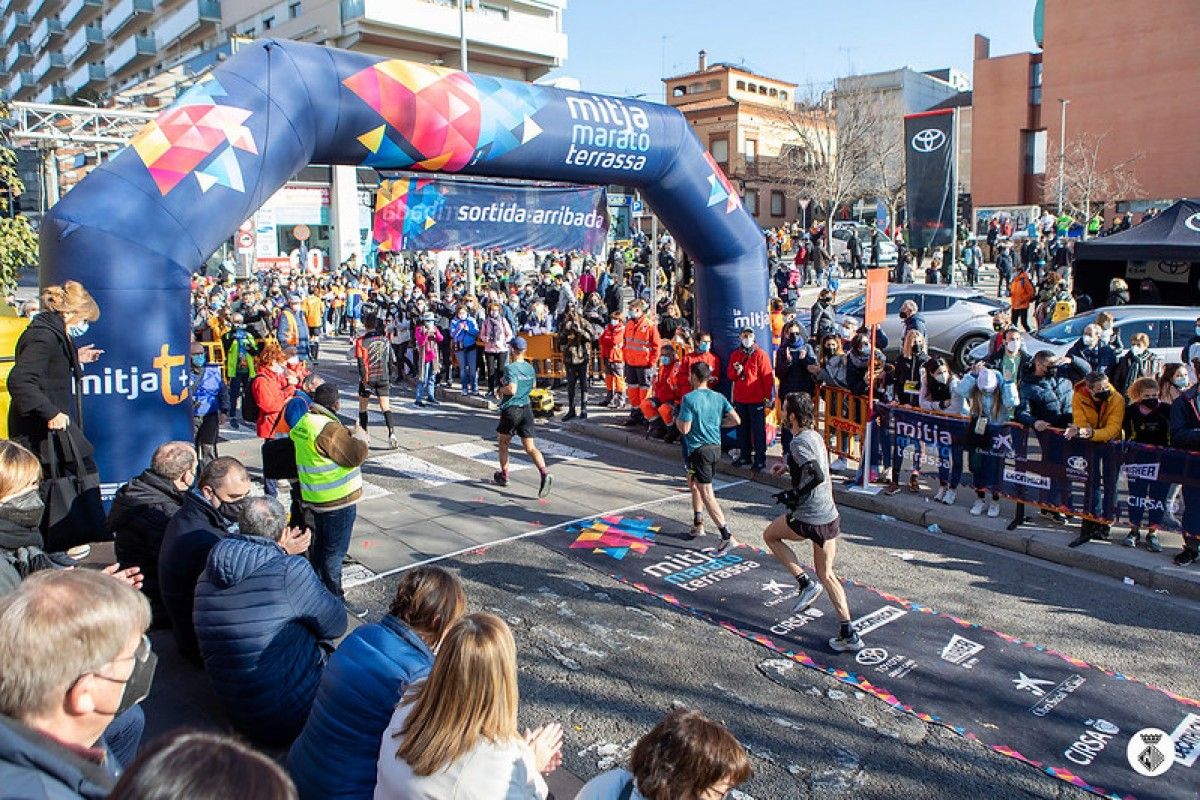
(1080, 723)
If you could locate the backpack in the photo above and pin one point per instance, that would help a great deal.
(249, 404)
(1063, 309)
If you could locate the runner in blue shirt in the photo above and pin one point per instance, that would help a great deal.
(701, 416)
(516, 415)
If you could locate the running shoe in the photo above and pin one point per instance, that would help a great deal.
(1132, 539)
(725, 546)
(1153, 544)
(355, 610)
(1188, 556)
(941, 494)
(499, 478)
(977, 509)
(847, 644)
(393, 442)
(950, 497)
(993, 509)
(547, 482)
(808, 596)
(696, 531)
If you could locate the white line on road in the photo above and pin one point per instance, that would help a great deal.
(418, 469)
(537, 532)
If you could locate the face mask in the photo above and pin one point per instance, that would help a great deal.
(277, 369)
(831, 349)
(703, 347)
(664, 360)
(1013, 346)
(847, 333)
(1181, 381)
(1102, 396)
(1149, 403)
(904, 315)
(942, 377)
(25, 509)
(863, 349)
(1198, 330)
(232, 510)
(635, 315)
(137, 687)
(1105, 335)
(294, 360)
(1137, 350)
(1089, 341)
(240, 327)
(199, 359)
(748, 343)
(494, 314)
(78, 329)
(462, 315)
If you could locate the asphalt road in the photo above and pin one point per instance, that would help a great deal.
(608, 661)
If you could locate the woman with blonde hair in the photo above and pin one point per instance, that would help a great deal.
(47, 372)
(455, 736)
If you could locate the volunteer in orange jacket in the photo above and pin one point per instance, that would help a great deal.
(612, 354)
(753, 384)
(1021, 296)
(665, 393)
(641, 347)
(703, 352)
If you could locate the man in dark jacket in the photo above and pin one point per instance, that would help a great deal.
(1046, 393)
(208, 514)
(576, 341)
(820, 319)
(53, 717)
(262, 619)
(1092, 355)
(1185, 435)
(141, 511)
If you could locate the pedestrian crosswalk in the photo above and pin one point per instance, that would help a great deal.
(487, 454)
(409, 466)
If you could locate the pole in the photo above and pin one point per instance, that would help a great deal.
(462, 34)
(954, 200)
(866, 454)
(653, 267)
(470, 271)
(1062, 149)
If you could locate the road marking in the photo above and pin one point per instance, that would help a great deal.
(487, 455)
(418, 469)
(537, 532)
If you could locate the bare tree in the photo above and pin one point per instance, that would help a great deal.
(1089, 179)
(886, 173)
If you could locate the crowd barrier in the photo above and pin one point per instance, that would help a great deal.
(842, 416)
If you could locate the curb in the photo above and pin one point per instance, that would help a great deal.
(1150, 570)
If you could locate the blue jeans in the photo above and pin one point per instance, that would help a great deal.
(1191, 518)
(1139, 491)
(331, 540)
(124, 734)
(236, 384)
(951, 475)
(425, 382)
(985, 472)
(752, 432)
(468, 361)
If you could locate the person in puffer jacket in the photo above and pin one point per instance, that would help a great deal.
(264, 622)
(210, 402)
(364, 681)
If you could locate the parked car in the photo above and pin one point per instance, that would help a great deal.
(957, 318)
(888, 254)
(1169, 328)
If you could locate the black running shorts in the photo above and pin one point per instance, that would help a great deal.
(516, 421)
(819, 534)
(373, 388)
(702, 462)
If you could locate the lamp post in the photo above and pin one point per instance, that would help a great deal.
(1062, 149)
(462, 34)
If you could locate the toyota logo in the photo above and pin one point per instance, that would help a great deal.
(931, 139)
(1077, 463)
(1192, 222)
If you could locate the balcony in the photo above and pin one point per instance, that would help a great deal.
(47, 64)
(192, 16)
(76, 9)
(44, 31)
(15, 55)
(82, 78)
(82, 43)
(124, 12)
(15, 23)
(520, 38)
(133, 49)
(52, 93)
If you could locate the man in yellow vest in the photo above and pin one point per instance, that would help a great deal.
(240, 349)
(328, 458)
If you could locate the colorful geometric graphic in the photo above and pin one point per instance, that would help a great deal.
(615, 536)
(405, 208)
(194, 130)
(719, 187)
(442, 120)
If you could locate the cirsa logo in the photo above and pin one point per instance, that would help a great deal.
(928, 140)
(1193, 222)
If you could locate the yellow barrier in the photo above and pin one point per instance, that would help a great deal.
(11, 329)
(845, 417)
(543, 353)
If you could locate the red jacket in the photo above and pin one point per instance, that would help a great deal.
(271, 393)
(714, 364)
(670, 383)
(642, 342)
(756, 384)
(612, 344)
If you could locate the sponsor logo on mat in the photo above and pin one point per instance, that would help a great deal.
(1150, 752)
(1048, 698)
(962, 651)
(780, 592)
(1091, 742)
(694, 570)
(877, 619)
(870, 656)
(1187, 740)
(890, 664)
(796, 621)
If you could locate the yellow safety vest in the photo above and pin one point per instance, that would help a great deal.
(323, 482)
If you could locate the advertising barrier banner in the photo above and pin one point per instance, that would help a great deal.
(427, 214)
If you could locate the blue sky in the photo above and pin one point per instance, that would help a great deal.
(616, 46)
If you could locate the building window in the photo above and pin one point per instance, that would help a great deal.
(751, 151)
(489, 10)
(719, 149)
(783, 95)
(774, 93)
(777, 209)
(268, 23)
(1035, 83)
(752, 202)
(741, 85)
(679, 91)
(250, 32)
(762, 90)
(713, 86)
(753, 88)
(293, 10)
(1033, 146)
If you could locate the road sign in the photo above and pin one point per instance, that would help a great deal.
(245, 242)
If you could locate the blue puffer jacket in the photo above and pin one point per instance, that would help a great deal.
(209, 393)
(260, 615)
(1047, 399)
(36, 767)
(362, 685)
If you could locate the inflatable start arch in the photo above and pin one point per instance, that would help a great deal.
(135, 229)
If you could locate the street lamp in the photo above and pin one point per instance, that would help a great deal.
(1062, 149)
(462, 34)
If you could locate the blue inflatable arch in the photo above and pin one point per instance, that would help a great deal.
(137, 227)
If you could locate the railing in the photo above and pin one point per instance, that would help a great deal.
(123, 12)
(81, 42)
(74, 8)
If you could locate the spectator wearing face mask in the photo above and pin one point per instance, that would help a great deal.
(1185, 434)
(1108, 334)
(1090, 354)
(1147, 421)
(1098, 413)
(1046, 403)
(753, 395)
(1021, 293)
(792, 362)
(821, 321)
(273, 387)
(1012, 360)
(912, 319)
(990, 399)
(938, 394)
(1139, 361)
(907, 383)
(292, 327)
(1190, 355)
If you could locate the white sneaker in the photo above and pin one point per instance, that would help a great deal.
(950, 496)
(941, 493)
(994, 509)
(839, 465)
(977, 509)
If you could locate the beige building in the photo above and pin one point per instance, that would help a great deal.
(746, 121)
